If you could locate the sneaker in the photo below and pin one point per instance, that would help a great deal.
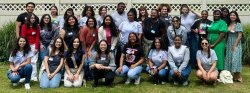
(103, 79)
(163, 82)
(137, 81)
(128, 81)
(176, 83)
(27, 86)
(34, 79)
(14, 84)
(185, 83)
(21, 80)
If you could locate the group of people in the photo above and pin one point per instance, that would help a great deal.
(121, 43)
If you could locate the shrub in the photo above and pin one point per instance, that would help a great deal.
(246, 44)
(7, 40)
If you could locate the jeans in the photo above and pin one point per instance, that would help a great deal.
(87, 61)
(162, 74)
(23, 72)
(193, 46)
(42, 54)
(130, 73)
(52, 83)
(184, 74)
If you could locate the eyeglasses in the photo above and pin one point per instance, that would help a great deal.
(204, 43)
(175, 21)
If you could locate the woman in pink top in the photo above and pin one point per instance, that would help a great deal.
(31, 31)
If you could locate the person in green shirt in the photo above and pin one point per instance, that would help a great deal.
(217, 31)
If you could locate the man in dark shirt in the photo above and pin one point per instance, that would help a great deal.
(21, 18)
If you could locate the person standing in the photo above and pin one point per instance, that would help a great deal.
(120, 15)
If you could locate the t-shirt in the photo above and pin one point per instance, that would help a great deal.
(127, 27)
(206, 62)
(188, 20)
(167, 20)
(202, 26)
(53, 62)
(78, 59)
(119, 18)
(46, 36)
(69, 34)
(20, 58)
(22, 17)
(152, 30)
(58, 21)
(132, 54)
(82, 21)
(99, 21)
(157, 57)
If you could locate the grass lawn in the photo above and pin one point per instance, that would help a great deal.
(195, 86)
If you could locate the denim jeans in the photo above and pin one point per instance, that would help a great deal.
(52, 83)
(130, 73)
(162, 74)
(193, 46)
(184, 74)
(23, 72)
(42, 55)
(88, 74)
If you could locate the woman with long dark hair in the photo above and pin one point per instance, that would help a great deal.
(75, 56)
(131, 60)
(233, 61)
(20, 66)
(104, 66)
(53, 63)
(87, 12)
(109, 32)
(157, 62)
(206, 61)
(102, 13)
(31, 31)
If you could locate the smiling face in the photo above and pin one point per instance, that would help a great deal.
(233, 17)
(58, 43)
(69, 12)
(103, 12)
(204, 44)
(130, 16)
(21, 42)
(88, 12)
(185, 10)
(30, 8)
(103, 46)
(164, 10)
(154, 14)
(76, 43)
(120, 8)
(142, 12)
(107, 21)
(46, 19)
(53, 11)
(132, 38)
(217, 15)
(176, 22)
(177, 41)
(204, 15)
(71, 21)
(91, 23)
(157, 44)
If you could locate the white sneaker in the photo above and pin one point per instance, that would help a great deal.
(14, 84)
(176, 83)
(21, 80)
(103, 79)
(128, 81)
(34, 79)
(185, 83)
(27, 86)
(163, 82)
(137, 81)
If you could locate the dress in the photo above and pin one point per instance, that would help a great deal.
(217, 27)
(233, 59)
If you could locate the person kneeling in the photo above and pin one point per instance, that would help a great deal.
(53, 62)
(104, 66)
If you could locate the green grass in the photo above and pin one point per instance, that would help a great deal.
(146, 86)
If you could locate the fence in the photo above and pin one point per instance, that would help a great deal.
(10, 9)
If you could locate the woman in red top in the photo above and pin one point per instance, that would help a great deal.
(88, 37)
(31, 31)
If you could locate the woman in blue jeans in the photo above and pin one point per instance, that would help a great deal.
(20, 66)
(131, 60)
(157, 61)
(53, 62)
(178, 58)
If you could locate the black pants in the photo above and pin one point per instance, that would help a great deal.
(109, 76)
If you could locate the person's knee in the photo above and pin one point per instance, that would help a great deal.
(15, 79)
(67, 85)
(162, 73)
(77, 84)
(198, 73)
(28, 67)
(54, 85)
(43, 85)
(132, 75)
